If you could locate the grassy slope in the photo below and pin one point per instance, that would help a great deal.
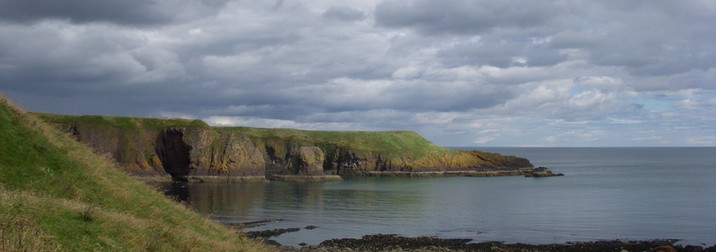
(55, 194)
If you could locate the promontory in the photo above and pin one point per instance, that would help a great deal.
(191, 149)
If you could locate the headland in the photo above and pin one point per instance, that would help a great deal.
(193, 150)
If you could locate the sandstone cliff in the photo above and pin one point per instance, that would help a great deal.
(181, 148)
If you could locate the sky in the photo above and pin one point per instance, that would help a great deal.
(459, 72)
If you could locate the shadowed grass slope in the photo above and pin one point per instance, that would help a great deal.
(56, 194)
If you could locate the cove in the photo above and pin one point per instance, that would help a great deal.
(611, 193)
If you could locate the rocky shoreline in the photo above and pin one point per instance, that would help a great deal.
(306, 178)
(392, 242)
(395, 242)
(526, 172)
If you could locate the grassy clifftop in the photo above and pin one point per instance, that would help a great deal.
(389, 142)
(406, 143)
(123, 122)
(148, 146)
(57, 195)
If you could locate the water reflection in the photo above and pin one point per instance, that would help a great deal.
(606, 195)
(177, 190)
(351, 200)
(287, 195)
(226, 199)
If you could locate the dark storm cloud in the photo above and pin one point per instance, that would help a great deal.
(44, 60)
(461, 16)
(125, 12)
(501, 52)
(644, 37)
(343, 13)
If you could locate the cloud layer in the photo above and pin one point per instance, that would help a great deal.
(460, 72)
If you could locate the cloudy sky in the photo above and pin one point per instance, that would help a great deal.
(459, 72)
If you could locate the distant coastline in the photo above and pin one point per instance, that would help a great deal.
(191, 149)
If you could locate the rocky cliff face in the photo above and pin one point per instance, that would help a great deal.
(184, 148)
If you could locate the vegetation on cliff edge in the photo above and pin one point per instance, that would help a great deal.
(392, 142)
(132, 141)
(403, 143)
(57, 195)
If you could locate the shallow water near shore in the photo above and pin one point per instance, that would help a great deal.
(607, 193)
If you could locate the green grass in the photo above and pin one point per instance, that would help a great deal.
(122, 122)
(388, 142)
(406, 144)
(392, 143)
(56, 194)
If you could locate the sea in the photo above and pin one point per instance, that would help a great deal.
(606, 194)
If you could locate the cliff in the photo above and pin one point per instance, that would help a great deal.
(57, 195)
(181, 148)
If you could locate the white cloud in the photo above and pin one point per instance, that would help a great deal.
(483, 140)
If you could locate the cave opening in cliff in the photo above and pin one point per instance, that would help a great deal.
(173, 152)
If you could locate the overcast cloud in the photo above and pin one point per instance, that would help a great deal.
(459, 72)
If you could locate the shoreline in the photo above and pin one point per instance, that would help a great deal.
(306, 178)
(526, 172)
(382, 242)
(395, 242)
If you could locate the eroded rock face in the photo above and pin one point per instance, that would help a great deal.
(179, 152)
(131, 151)
(340, 161)
(309, 161)
(173, 153)
(232, 155)
(290, 158)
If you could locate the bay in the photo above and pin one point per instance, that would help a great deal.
(607, 193)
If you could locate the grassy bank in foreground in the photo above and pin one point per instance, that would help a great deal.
(56, 194)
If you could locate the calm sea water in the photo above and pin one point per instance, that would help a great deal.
(607, 193)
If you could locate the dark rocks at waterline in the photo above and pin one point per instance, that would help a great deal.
(270, 233)
(310, 227)
(392, 242)
(543, 172)
(251, 224)
(381, 242)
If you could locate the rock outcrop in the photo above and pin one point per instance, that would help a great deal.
(309, 161)
(186, 148)
(542, 172)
